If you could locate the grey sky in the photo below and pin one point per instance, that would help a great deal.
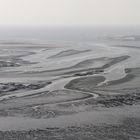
(69, 12)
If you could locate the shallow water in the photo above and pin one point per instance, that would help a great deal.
(68, 83)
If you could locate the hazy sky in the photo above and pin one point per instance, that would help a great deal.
(69, 12)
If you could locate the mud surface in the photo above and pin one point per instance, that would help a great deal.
(62, 93)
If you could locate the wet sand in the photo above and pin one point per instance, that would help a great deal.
(61, 93)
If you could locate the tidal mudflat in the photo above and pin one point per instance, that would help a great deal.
(50, 92)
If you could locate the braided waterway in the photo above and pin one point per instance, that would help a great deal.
(47, 88)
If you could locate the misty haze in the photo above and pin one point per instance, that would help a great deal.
(69, 70)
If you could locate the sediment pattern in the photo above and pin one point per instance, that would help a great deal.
(62, 93)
